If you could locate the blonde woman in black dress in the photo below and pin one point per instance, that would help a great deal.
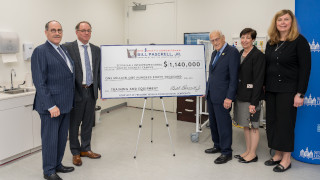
(249, 94)
(288, 67)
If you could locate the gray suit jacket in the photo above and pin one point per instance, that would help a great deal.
(73, 50)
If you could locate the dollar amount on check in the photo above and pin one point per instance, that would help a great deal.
(182, 64)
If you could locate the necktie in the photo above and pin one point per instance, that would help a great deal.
(216, 58)
(62, 54)
(88, 67)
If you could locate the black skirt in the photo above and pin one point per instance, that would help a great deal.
(281, 119)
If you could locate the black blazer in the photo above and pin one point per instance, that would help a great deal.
(251, 77)
(73, 50)
(288, 68)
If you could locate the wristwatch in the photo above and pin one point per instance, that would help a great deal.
(300, 95)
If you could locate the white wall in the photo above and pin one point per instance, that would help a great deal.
(230, 16)
(28, 18)
(107, 17)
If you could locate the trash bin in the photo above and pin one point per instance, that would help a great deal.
(97, 114)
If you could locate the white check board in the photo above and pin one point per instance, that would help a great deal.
(139, 71)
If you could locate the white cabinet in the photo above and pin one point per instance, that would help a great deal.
(15, 131)
(19, 126)
(36, 129)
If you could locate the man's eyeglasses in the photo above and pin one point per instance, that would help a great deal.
(56, 30)
(215, 40)
(83, 30)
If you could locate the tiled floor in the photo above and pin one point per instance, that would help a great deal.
(115, 138)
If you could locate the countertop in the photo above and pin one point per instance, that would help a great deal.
(4, 96)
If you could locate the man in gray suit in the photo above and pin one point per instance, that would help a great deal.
(86, 58)
(52, 73)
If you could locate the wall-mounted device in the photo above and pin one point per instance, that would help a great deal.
(27, 50)
(138, 7)
(9, 43)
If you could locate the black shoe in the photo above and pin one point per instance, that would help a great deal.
(252, 160)
(65, 169)
(280, 168)
(271, 162)
(238, 156)
(212, 150)
(223, 159)
(52, 177)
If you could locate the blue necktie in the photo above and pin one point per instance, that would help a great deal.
(216, 58)
(62, 54)
(88, 67)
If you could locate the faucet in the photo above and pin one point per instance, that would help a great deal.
(4, 88)
(12, 70)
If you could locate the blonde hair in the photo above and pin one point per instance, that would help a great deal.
(274, 33)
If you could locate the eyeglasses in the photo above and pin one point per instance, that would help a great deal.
(56, 30)
(83, 30)
(215, 40)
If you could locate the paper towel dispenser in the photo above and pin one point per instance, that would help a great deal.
(9, 43)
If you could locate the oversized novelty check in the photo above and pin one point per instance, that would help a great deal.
(138, 71)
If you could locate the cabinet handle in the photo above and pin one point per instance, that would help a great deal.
(179, 112)
(188, 110)
(189, 100)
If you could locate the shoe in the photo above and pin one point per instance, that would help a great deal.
(271, 162)
(65, 169)
(90, 154)
(212, 150)
(223, 159)
(280, 168)
(77, 160)
(238, 156)
(252, 160)
(53, 176)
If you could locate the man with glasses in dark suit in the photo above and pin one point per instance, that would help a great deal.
(221, 91)
(86, 58)
(53, 76)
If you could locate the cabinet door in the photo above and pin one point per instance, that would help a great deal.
(15, 131)
(36, 123)
(186, 109)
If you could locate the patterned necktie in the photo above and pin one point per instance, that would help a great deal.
(216, 58)
(88, 67)
(62, 54)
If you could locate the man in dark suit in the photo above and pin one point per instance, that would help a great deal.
(221, 91)
(53, 77)
(86, 58)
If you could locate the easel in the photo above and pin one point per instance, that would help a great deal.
(141, 121)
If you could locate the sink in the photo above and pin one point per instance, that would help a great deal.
(17, 90)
